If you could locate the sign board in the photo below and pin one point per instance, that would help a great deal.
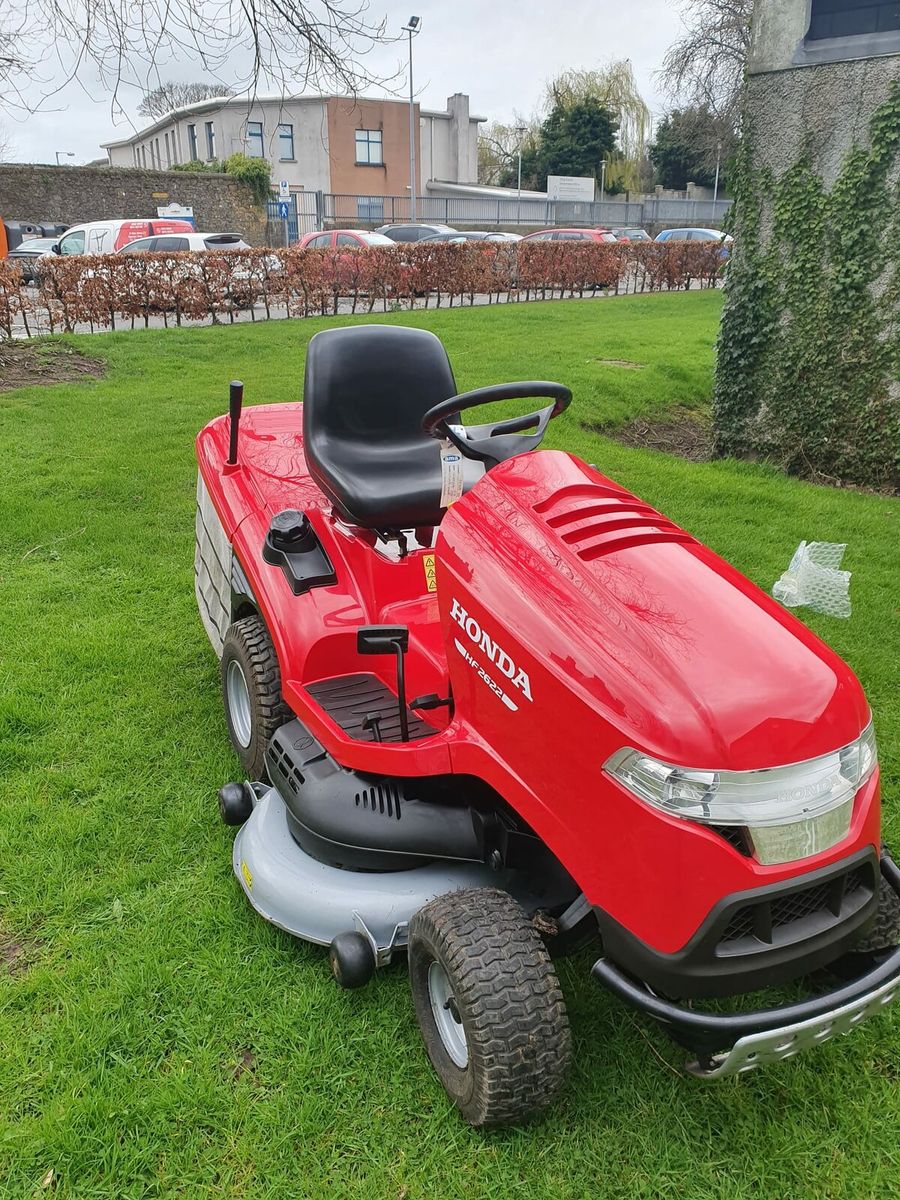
(177, 212)
(571, 187)
(284, 210)
(284, 190)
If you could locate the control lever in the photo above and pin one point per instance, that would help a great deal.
(389, 639)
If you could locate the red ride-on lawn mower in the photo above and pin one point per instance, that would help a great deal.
(489, 703)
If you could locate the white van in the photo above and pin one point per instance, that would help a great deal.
(105, 237)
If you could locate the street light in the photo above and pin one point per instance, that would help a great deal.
(602, 182)
(65, 154)
(520, 130)
(412, 26)
(716, 188)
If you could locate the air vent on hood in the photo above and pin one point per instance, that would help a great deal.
(595, 519)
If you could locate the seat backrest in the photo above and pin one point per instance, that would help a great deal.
(370, 383)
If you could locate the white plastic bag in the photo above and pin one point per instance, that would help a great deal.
(814, 580)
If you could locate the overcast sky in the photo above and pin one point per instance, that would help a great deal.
(500, 54)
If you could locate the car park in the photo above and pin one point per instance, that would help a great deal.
(28, 254)
(570, 235)
(413, 231)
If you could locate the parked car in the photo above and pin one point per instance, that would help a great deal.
(473, 235)
(569, 235)
(694, 235)
(413, 232)
(346, 238)
(186, 241)
(103, 237)
(28, 254)
(631, 235)
(699, 235)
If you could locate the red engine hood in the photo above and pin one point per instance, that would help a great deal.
(682, 655)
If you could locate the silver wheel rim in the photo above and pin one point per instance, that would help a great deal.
(238, 696)
(446, 1014)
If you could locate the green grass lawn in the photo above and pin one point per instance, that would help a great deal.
(158, 1038)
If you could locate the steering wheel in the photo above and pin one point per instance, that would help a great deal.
(493, 444)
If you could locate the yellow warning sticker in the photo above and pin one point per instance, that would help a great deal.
(248, 878)
(430, 578)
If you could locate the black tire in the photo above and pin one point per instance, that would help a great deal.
(352, 960)
(885, 931)
(235, 803)
(504, 997)
(248, 645)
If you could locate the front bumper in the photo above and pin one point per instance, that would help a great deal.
(729, 1044)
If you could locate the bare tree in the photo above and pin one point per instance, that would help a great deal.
(291, 46)
(161, 100)
(499, 146)
(705, 67)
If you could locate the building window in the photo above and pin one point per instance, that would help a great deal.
(255, 139)
(168, 151)
(370, 208)
(192, 143)
(369, 148)
(156, 154)
(852, 18)
(285, 143)
(210, 140)
(144, 157)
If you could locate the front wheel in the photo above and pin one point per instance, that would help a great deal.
(489, 1006)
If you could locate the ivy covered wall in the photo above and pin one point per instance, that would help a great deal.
(808, 372)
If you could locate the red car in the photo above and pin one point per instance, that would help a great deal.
(570, 235)
(489, 704)
(349, 239)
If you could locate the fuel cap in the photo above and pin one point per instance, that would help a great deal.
(289, 529)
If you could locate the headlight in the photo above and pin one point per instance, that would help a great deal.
(814, 798)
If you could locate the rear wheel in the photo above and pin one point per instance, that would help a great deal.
(489, 1005)
(251, 691)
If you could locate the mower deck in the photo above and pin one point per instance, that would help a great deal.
(316, 902)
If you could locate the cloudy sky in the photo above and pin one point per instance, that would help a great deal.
(500, 53)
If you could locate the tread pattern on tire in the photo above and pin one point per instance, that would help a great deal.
(885, 931)
(510, 999)
(269, 710)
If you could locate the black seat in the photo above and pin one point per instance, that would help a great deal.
(366, 390)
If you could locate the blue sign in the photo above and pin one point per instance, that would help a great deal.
(283, 210)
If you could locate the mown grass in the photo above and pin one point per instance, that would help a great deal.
(158, 1039)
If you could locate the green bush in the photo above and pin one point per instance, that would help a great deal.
(255, 172)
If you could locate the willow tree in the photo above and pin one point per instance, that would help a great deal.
(615, 87)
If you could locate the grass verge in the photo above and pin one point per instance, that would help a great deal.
(159, 1040)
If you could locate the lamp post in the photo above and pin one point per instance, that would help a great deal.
(520, 130)
(716, 188)
(602, 182)
(65, 154)
(412, 26)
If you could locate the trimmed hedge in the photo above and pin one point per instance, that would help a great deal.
(104, 291)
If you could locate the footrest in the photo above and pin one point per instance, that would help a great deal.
(349, 699)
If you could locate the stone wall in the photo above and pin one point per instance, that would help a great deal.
(72, 195)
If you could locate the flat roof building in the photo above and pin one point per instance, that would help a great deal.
(339, 144)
